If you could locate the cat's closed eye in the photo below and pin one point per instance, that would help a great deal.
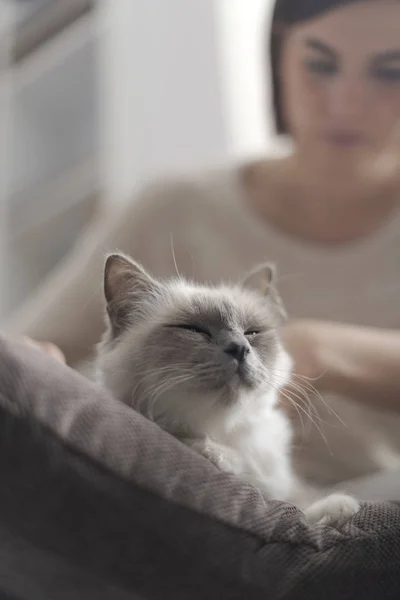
(252, 332)
(192, 328)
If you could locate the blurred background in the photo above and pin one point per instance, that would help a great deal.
(98, 96)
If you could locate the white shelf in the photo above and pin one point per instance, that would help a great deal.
(38, 21)
(55, 52)
(7, 16)
(52, 143)
(55, 111)
(39, 206)
(25, 10)
(35, 253)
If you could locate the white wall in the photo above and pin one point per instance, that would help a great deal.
(184, 83)
(163, 103)
(243, 26)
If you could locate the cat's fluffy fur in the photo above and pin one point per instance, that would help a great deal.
(207, 364)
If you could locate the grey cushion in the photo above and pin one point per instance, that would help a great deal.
(98, 502)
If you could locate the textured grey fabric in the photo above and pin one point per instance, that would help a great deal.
(21, 562)
(107, 496)
(133, 447)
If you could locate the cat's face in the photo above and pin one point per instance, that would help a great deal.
(177, 351)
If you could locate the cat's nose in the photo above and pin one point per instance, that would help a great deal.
(237, 350)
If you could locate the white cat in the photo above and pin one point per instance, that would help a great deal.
(207, 365)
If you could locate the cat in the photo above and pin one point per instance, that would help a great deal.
(207, 364)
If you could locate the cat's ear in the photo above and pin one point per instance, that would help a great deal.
(262, 280)
(126, 284)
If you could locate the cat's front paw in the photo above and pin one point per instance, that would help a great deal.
(222, 457)
(333, 510)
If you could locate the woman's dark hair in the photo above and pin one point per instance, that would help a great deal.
(285, 14)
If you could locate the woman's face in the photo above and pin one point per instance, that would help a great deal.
(341, 82)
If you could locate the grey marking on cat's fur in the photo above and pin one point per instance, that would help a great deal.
(206, 364)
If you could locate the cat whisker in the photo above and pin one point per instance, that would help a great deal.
(143, 376)
(302, 394)
(162, 388)
(295, 406)
(311, 389)
(283, 393)
(302, 397)
(173, 255)
(146, 372)
(330, 410)
(312, 412)
(159, 385)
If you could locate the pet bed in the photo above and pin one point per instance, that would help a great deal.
(98, 503)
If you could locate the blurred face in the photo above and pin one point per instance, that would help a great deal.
(341, 83)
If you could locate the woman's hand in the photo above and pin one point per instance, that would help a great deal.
(301, 339)
(304, 341)
(358, 363)
(45, 347)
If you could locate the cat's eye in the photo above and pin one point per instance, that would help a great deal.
(193, 328)
(252, 332)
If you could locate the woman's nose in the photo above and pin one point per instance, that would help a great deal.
(348, 98)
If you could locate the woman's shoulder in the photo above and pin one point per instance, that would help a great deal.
(269, 174)
(177, 200)
(185, 191)
(169, 206)
(208, 187)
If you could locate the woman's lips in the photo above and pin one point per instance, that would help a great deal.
(344, 139)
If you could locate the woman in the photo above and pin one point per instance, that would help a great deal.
(328, 214)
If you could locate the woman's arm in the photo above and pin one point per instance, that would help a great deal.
(360, 363)
(67, 309)
(46, 347)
